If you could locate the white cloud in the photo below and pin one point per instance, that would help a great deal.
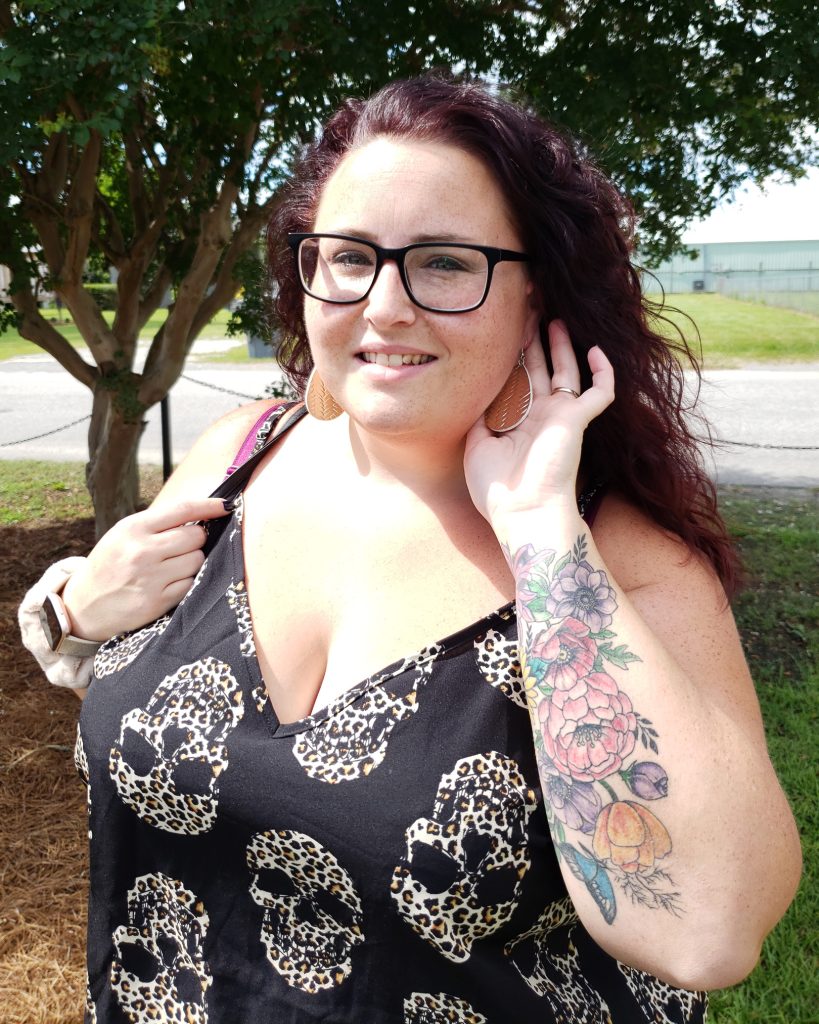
(779, 213)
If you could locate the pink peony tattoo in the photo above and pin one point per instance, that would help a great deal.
(589, 730)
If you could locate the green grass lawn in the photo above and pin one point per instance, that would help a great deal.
(778, 617)
(11, 344)
(737, 333)
(733, 333)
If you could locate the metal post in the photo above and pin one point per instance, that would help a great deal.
(165, 409)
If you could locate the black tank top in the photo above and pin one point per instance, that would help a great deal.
(384, 860)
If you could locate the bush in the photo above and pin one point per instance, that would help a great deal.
(105, 295)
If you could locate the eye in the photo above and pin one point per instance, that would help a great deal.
(443, 262)
(351, 258)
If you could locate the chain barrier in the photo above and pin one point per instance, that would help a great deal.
(47, 433)
(770, 447)
(217, 387)
(253, 398)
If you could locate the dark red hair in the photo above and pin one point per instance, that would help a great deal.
(578, 230)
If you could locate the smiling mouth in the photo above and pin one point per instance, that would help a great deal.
(394, 359)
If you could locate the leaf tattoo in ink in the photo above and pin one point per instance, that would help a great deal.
(586, 731)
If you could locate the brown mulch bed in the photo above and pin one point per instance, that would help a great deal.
(43, 831)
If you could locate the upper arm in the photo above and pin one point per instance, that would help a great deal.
(204, 467)
(678, 595)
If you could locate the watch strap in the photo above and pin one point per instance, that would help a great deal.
(60, 669)
(76, 647)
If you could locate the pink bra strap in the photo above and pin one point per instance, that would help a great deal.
(250, 441)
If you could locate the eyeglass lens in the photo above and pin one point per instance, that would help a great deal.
(441, 276)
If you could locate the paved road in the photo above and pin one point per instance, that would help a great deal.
(777, 407)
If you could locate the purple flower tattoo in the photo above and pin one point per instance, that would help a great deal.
(647, 780)
(576, 804)
(583, 593)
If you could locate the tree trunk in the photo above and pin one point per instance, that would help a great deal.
(112, 472)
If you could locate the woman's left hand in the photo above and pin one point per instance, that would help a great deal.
(535, 465)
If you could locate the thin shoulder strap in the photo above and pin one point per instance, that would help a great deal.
(234, 484)
(249, 443)
(589, 502)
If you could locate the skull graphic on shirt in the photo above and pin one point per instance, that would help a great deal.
(461, 877)
(547, 959)
(158, 972)
(352, 740)
(440, 1008)
(312, 913)
(169, 755)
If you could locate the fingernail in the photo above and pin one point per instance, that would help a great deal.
(229, 503)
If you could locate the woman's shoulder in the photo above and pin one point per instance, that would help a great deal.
(205, 465)
(638, 550)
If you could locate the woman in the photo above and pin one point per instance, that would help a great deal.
(465, 835)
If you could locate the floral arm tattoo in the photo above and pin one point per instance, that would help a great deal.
(593, 749)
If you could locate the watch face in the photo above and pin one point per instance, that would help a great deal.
(53, 622)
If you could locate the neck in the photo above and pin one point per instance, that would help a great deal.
(432, 470)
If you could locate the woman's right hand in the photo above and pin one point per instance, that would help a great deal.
(140, 569)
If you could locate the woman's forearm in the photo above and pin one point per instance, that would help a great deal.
(673, 836)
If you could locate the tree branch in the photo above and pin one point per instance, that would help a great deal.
(6, 17)
(168, 352)
(80, 210)
(136, 181)
(112, 243)
(155, 292)
(34, 327)
(224, 286)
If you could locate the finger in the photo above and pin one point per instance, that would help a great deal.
(179, 540)
(174, 592)
(601, 394)
(182, 567)
(535, 359)
(478, 432)
(166, 517)
(565, 371)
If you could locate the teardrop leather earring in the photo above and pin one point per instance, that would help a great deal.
(320, 403)
(513, 402)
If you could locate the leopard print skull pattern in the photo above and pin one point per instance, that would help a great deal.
(168, 758)
(461, 877)
(547, 959)
(313, 915)
(158, 972)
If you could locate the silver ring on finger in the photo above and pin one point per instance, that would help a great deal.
(569, 391)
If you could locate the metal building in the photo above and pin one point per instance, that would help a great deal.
(776, 273)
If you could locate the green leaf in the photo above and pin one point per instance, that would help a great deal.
(620, 656)
(539, 610)
(561, 564)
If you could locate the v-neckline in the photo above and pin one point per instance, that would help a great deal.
(428, 653)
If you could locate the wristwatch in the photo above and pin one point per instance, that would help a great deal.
(56, 627)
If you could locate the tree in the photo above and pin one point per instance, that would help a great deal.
(683, 100)
(155, 135)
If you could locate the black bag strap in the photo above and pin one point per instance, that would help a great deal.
(233, 485)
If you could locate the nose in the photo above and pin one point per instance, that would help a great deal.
(388, 301)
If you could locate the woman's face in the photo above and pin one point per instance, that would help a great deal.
(395, 192)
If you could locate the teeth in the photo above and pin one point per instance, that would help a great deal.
(382, 359)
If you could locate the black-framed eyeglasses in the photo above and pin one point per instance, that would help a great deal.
(441, 277)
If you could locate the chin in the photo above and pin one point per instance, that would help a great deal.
(407, 426)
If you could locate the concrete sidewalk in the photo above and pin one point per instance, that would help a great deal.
(766, 418)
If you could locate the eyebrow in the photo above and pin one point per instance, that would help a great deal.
(441, 236)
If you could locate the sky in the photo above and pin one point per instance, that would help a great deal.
(780, 213)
